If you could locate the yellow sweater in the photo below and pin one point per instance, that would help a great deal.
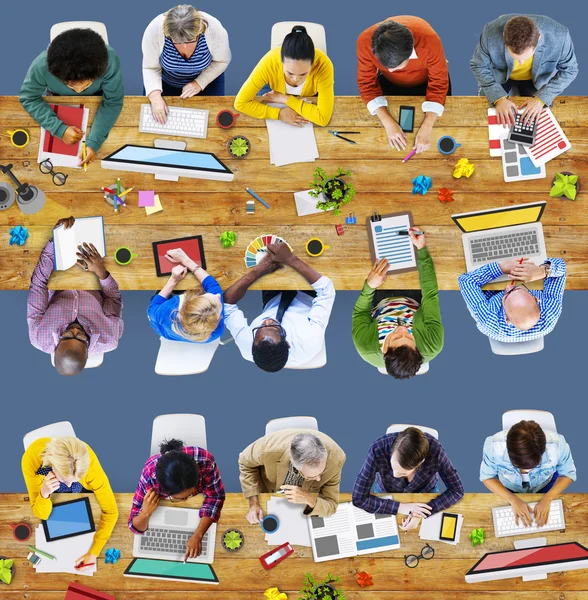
(270, 71)
(95, 481)
(523, 72)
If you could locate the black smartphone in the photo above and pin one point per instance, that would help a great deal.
(406, 118)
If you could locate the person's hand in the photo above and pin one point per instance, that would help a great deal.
(89, 259)
(378, 274)
(506, 110)
(50, 485)
(416, 509)
(177, 255)
(193, 546)
(541, 511)
(150, 503)
(178, 273)
(159, 108)
(190, 89)
(255, 514)
(396, 137)
(422, 140)
(527, 271)
(419, 241)
(296, 494)
(506, 266)
(522, 511)
(409, 523)
(266, 265)
(279, 252)
(67, 222)
(72, 135)
(274, 97)
(90, 156)
(290, 116)
(533, 107)
(86, 560)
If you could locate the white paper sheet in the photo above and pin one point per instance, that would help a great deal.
(66, 552)
(398, 249)
(431, 528)
(86, 229)
(517, 164)
(62, 160)
(306, 204)
(293, 526)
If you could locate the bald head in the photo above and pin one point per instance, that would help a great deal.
(521, 309)
(70, 357)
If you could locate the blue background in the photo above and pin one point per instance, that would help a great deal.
(112, 408)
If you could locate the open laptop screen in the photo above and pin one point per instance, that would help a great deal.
(483, 220)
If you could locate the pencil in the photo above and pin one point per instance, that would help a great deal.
(409, 156)
(118, 186)
(257, 197)
(37, 551)
(84, 155)
(125, 193)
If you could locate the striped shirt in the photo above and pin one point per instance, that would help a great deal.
(293, 476)
(487, 310)
(391, 312)
(178, 71)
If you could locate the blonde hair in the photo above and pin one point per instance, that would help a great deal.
(198, 316)
(183, 24)
(68, 455)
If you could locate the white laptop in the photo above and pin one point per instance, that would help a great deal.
(500, 233)
(169, 530)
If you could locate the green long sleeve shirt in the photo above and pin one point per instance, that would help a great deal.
(38, 80)
(427, 326)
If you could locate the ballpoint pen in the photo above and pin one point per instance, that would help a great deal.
(336, 134)
(406, 232)
(409, 156)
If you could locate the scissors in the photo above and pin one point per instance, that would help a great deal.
(336, 134)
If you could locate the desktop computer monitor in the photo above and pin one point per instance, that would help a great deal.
(166, 163)
(529, 563)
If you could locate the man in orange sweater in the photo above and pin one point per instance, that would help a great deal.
(403, 56)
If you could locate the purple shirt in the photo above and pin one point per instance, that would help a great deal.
(49, 313)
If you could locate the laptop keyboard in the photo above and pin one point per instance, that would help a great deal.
(495, 247)
(168, 541)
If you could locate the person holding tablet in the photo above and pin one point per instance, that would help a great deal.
(294, 70)
(194, 316)
(66, 464)
(176, 474)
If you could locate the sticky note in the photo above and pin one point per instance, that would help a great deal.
(149, 210)
(146, 198)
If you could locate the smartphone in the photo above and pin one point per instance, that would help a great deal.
(406, 118)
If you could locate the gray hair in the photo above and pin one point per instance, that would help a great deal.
(183, 23)
(307, 449)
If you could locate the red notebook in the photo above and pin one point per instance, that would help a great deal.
(76, 591)
(72, 116)
(192, 246)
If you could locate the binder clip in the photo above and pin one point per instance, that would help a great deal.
(340, 229)
(350, 219)
(375, 217)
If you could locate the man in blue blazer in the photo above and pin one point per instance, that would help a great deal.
(531, 55)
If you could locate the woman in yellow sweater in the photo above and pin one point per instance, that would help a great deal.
(294, 70)
(66, 464)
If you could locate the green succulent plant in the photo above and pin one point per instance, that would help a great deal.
(239, 146)
(333, 191)
(6, 570)
(232, 539)
(319, 590)
(564, 185)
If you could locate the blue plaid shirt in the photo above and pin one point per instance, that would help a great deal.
(377, 466)
(487, 310)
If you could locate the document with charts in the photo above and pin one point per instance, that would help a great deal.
(352, 531)
(550, 140)
(385, 241)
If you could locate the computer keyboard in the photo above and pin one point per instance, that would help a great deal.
(504, 521)
(183, 122)
(496, 246)
(168, 541)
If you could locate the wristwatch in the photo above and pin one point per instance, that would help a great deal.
(547, 266)
(196, 267)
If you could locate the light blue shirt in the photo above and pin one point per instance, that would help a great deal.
(305, 323)
(496, 463)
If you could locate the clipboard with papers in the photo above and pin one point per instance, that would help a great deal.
(386, 241)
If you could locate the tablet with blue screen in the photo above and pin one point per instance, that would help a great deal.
(69, 519)
(151, 568)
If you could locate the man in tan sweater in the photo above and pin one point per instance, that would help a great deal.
(305, 464)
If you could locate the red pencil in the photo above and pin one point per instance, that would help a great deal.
(108, 190)
(83, 566)
(512, 281)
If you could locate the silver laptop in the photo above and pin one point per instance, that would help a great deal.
(508, 232)
(169, 530)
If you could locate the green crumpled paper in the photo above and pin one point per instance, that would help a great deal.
(228, 238)
(477, 536)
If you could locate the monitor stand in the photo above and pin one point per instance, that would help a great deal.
(532, 543)
(168, 145)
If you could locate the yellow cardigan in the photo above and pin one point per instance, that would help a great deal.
(95, 481)
(270, 71)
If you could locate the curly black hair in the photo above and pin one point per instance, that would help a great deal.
(269, 356)
(77, 55)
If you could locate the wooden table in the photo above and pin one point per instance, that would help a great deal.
(195, 206)
(243, 578)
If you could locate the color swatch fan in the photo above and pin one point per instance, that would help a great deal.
(257, 249)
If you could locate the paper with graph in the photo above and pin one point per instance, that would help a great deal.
(387, 241)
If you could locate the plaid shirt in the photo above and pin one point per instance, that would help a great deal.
(487, 310)
(377, 466)
(49, 313)
(209, 483)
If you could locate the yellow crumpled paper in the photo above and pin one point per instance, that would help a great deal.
(464, 168)
(274, 594)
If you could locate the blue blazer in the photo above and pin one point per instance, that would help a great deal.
(554, 62)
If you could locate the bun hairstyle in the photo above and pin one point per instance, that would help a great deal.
(298, 45)
(68, 455)
(176, 471)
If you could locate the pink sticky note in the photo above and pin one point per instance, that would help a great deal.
(146, 198)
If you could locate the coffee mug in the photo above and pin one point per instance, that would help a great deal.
(225, 119)
(447, 145)
(123, 256)
(315, 247)
(19, 138)
(270, 523)
(21, 531)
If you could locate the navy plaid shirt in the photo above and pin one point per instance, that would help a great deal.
(377, 467)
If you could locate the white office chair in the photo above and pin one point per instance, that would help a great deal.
(61, 429)
(94, 360)
(314, 30)
(96, 26)
(291, 423)
(319, 361)
(423, 369)
(397, 428)
(542, 417)
(191, 429)
(183, 358)
(511, 349)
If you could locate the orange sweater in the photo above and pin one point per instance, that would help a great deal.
(430, 63)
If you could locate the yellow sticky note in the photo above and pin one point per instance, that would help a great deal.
(149, 210)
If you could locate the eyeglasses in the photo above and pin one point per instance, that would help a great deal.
(172, 499)
(412, 560)
(46, 167)
(516, 287)
(275, 325)
(69, 334)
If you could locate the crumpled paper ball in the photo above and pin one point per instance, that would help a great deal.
(228, 238)
(477, 536)
(445, 195)
(463, 168)
(18, 235)
(421, 185)
(275, 594)
(364, 579)
(112, 555)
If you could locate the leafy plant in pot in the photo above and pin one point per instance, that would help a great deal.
(332, 190)
(6, 570)
(565, 185)
(320, 590)
(239, 146)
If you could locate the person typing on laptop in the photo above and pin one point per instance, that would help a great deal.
(516, 314)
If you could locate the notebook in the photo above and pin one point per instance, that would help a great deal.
(54, 148)
(66, 241)
(77, 591)
(192, 246)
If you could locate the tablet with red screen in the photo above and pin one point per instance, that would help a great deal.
(192, 246)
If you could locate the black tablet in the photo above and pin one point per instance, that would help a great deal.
(69, 519)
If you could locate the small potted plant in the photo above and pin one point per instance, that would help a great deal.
(6, 570)
(232, 540)
(332, 190)
(320, 590)
(564, 185)
(239, 146)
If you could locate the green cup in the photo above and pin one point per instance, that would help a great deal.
(123, 256)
